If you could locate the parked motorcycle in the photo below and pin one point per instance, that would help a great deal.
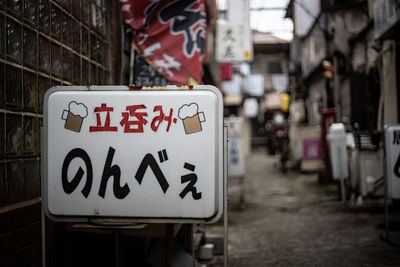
(277, 131)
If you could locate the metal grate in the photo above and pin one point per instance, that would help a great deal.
(42, 44)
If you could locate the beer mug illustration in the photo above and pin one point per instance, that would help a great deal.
(191, 118)
(74, 116)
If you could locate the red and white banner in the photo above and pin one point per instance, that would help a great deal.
(170, 35)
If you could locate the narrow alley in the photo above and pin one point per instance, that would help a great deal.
(293, 220)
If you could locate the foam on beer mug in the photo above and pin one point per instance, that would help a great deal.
(188, 111)
(78, 109)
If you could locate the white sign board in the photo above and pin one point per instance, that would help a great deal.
(236, 164)
(150, 155)
(230, 42)
(392, 158)
(239, 12)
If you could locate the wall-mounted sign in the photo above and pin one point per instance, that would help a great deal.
(239, 12)
(236, 164)
(392, 158)
(230, 42)
(150, 155)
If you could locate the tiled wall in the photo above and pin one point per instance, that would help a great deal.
(43, 43)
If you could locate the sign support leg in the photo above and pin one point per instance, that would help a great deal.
(117, 247)
(43, 236)
(386, 213)
(192, 245)
(166, 246)
(342, 189)
(42, 202)
(225, 196)
(341, 168)
(241, 202)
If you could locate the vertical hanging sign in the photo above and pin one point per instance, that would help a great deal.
(239, 12)
(230, 42)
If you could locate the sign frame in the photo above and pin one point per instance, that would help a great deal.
(219, 183)
(390, 162)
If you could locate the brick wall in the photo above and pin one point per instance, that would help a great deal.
(20, 234)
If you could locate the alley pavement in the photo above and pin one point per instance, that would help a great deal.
(293, 220)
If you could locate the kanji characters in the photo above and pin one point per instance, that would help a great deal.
(228, 35)
(106, 127)
(228, 53)
(134, 126)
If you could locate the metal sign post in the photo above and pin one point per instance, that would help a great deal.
(43, 215)
(342, 177)
(226, 140)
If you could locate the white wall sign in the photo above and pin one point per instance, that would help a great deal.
(150, 155)
(392, 158)
(239, 12)
(230, 42)
(236, 164)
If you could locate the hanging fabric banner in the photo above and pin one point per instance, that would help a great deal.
(170, 36)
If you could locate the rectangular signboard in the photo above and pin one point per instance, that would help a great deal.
(236, 164)
(150, 155)
(230, 42)
(239, 12)
(392, 158)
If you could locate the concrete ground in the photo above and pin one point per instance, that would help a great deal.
(290, 220)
